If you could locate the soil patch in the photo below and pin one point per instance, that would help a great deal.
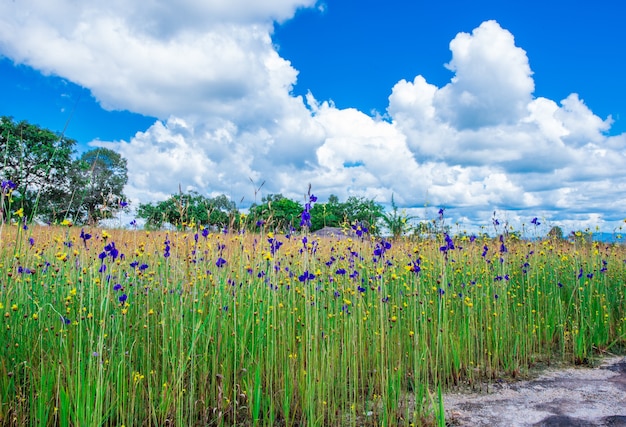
(576, 396)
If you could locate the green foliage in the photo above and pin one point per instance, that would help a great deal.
(277, 213)
(191, 208)
(556, 232)
(38, 162)
(329, 214)
(50, 185)
(104, 174)
(398, 224)
(354, 210)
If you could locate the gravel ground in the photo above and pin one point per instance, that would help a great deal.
(576, 396)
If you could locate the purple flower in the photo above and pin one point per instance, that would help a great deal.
(503, 248)
(221, 262)
(535, 221)
(449, 244)
(117, 287)
(84, 236)
(122, 298)
(7, 186)
(306, 276)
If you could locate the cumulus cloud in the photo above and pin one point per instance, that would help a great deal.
(227, 118)
(510, 150)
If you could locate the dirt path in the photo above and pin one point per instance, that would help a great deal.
(567, 397)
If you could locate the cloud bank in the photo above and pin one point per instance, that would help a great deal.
(227, 116)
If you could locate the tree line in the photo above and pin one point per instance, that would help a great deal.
(42, 180)
(274, 212)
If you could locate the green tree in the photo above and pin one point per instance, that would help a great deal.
(39, 162)
(104, 174)
(329, 214)
(364, 211)
(277, 212)
(556, 233)
(183, 210)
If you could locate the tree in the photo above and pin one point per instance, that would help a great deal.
(104, 174)
(38, 162)
(364, 211)
(329, 214)
(556, 233)
(190, 208)
(277, 212)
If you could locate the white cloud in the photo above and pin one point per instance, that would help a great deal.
(209, 72)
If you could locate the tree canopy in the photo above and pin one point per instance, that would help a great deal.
(40, 178)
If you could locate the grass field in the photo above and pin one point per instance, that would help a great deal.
(113, 327)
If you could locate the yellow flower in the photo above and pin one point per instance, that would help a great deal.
(67, 222)
(19, 212)
(14, 307)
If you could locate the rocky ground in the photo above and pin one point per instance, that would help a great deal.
(576, 396)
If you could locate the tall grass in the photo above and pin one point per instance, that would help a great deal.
(183, 328)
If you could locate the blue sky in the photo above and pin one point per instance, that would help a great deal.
(474, 106)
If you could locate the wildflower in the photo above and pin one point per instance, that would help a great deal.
(112, 250)
(220, 262)
(67, 222)
(359, 229)
(166, 249)
(274, 245)
(535, 221)
(414, 266)
(381, 248)
(7, 186)
(31, 241)
(306, 276)
(19, 212)
(122, 298)
(305, 220)
(84, 236)
(449, 244)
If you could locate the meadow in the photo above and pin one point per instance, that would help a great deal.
(181, 328)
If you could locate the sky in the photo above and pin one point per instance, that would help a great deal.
(480, 107)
